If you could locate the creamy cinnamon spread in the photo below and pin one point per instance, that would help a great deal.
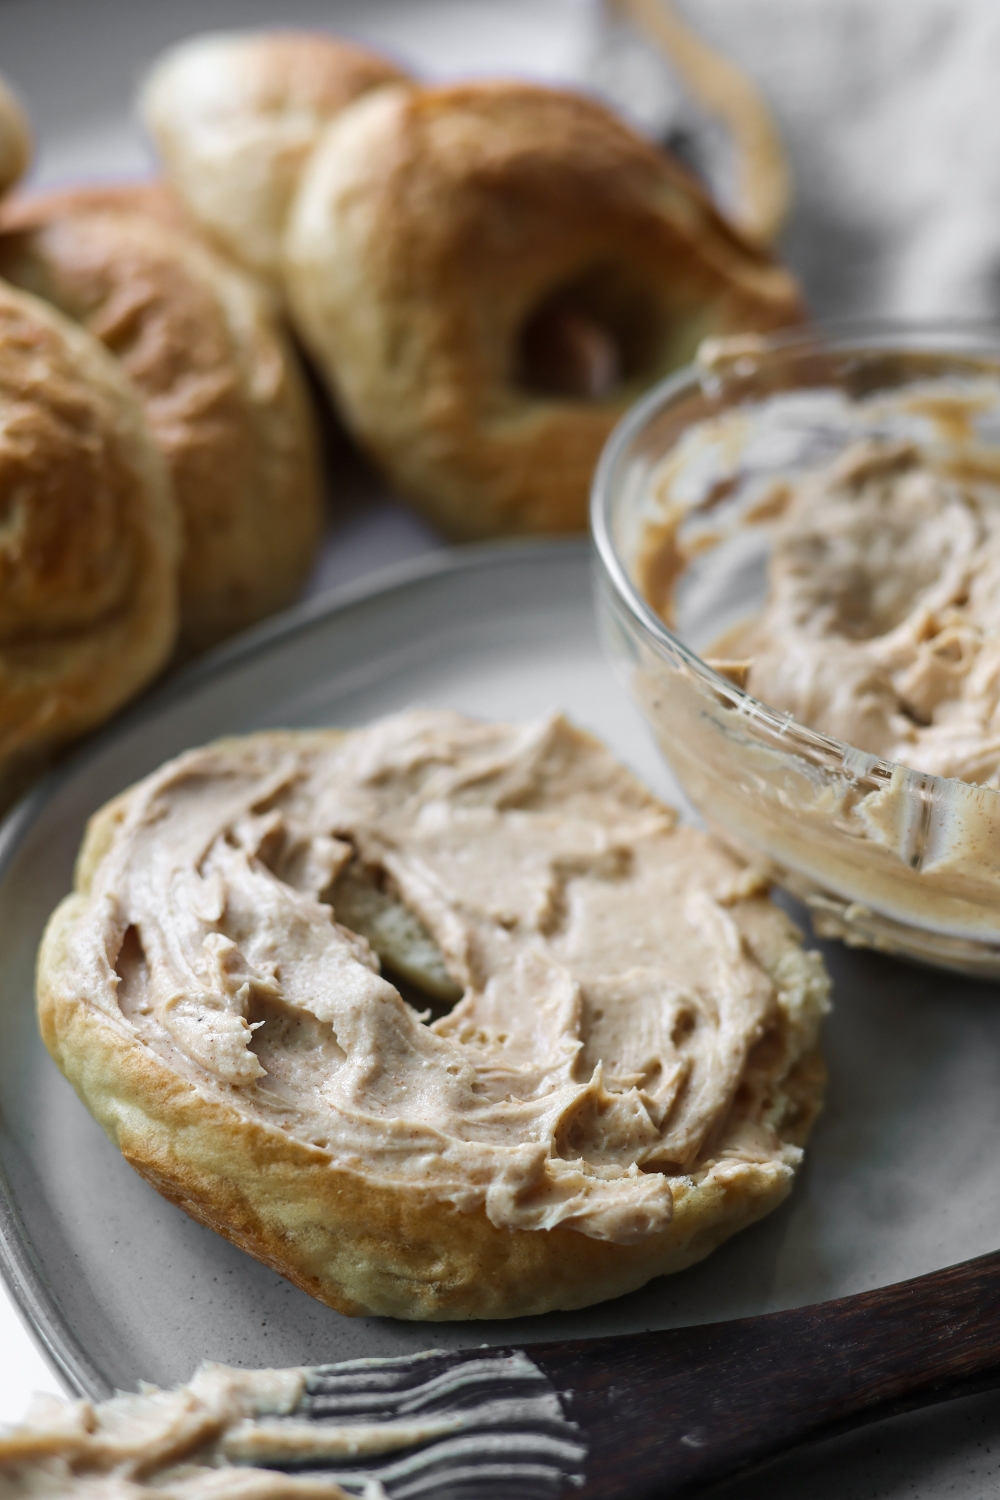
(837, 558)
(882, 623)
(631, 1001)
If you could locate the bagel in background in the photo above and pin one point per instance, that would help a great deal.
(89, 538)
(15, 139)
(151, 197)
(223, 395)
(234, 117)
(487, 275)
(627, 1078)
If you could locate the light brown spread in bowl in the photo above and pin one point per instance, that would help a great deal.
(882, 623)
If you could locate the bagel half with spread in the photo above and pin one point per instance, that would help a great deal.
(626, 1079)
(235, 116)
(89, 538)
(218, 380)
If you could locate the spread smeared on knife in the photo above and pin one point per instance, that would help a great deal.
(374, 1427)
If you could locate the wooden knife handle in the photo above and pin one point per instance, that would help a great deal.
(665, 1413)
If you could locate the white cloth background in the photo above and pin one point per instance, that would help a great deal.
(890, 113)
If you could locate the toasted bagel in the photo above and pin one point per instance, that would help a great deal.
(218, 380)
(627, 1079)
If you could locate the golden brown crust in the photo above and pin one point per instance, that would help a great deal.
(370, 1244)
(88, 537)
(152, 198)
(310, 70)
(15, 139)
(444, 241)
(234, 118)
(360, 1246)
(217, 378)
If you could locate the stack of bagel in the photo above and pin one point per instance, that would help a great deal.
(159, 475)
(485, 275)
(482, 275)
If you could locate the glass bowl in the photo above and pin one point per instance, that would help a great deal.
(884, 856)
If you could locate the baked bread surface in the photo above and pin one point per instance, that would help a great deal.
(234, 118)
(489, 274)
(219, 383)
(88, 538)
(627, 1079)
(15, 139)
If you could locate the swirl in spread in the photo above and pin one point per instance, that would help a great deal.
(882, 623)
(631, 1003)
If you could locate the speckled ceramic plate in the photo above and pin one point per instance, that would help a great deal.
(903, 1172)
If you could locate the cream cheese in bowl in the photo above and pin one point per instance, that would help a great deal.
(799, 545)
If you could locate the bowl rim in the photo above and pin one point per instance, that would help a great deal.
(942, 335)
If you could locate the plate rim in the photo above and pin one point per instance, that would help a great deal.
(19, 1269)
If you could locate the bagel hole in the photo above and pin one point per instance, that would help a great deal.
(429, 1008)
(365, 899)
(589, 336)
